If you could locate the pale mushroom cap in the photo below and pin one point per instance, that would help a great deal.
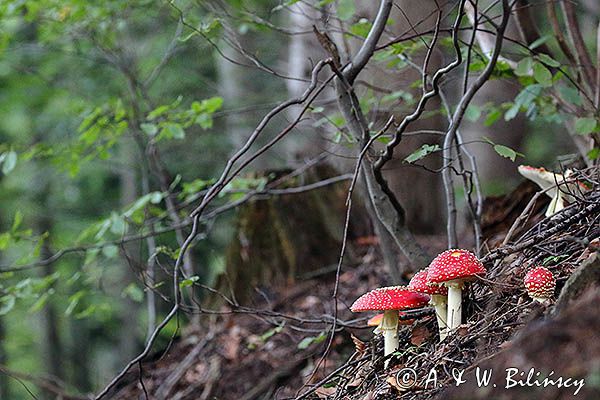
(540, 283)
(541, 176)
(376, 320)
(454, 264)
(389, 298)
(419, 283)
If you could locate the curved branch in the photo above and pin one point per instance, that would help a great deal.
(368, 48)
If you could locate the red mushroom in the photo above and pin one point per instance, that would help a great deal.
(540, 284)
(453, 268)
(439, 299)
(390, 300)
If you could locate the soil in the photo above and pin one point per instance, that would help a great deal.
(273, 349)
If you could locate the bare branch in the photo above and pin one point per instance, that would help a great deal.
(368, 48)
(581, 52)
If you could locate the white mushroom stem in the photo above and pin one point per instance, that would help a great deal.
(389, 328)
(454, 304)
(541, 300)
(440, 303)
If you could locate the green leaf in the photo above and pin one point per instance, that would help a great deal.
(117, 224)
(204, 120)
(5, 239)
(307, 341)
(158, 111)
(74, 301)
(110, 251)
(172, 131)
(571, 95)
(7, 303)
(10, 161)
(149, 129)
(492, 117)
(189, 282)
(361, 28)
(506, 152)
(473, 113)
(539, 42)
(523, 100)
(585, 126)
(542, 74)
(271, 332)
(40, 302)
(17, 221)
(155, 197)
(524, 67)
(346, 9)
(549, 61)
(421, 152)
(594, 153)
(134, 292)
(212, 104)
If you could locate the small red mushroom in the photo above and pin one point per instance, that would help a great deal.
(390, 300)
(540, 284)
(453, 268)
(439, 299)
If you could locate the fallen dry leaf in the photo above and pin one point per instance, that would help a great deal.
(463, 330)
(359, 345)
(420, 333)
(323, 393)
(232, 344)
(367, 241)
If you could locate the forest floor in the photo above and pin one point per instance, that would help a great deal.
(271, 349)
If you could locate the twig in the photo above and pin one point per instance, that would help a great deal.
(581, 52)
(197, 213)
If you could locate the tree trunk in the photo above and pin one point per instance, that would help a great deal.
(128, 341)
(52, 346)
(4, 387)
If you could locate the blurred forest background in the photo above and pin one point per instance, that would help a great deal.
(117, 116)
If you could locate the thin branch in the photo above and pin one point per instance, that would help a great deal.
(457, 119)
(197, 214)
(581, 52)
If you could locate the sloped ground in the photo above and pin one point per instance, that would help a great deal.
(243, 357)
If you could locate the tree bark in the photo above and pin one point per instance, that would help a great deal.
(52, 346)
(128, 341)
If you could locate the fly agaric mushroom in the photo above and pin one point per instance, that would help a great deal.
(439, 299)
(549, 181)
(389, 300)
(540, 284)
(453, 268)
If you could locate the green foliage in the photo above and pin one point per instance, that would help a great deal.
(585, 126)
(422, 152)
(309, 340)
(503, 150)
(189, 281)
(345, 9)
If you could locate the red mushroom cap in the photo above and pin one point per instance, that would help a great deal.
(419, 283)
(389, 298)
(376, 320)
(452, 265)
(540, 283)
